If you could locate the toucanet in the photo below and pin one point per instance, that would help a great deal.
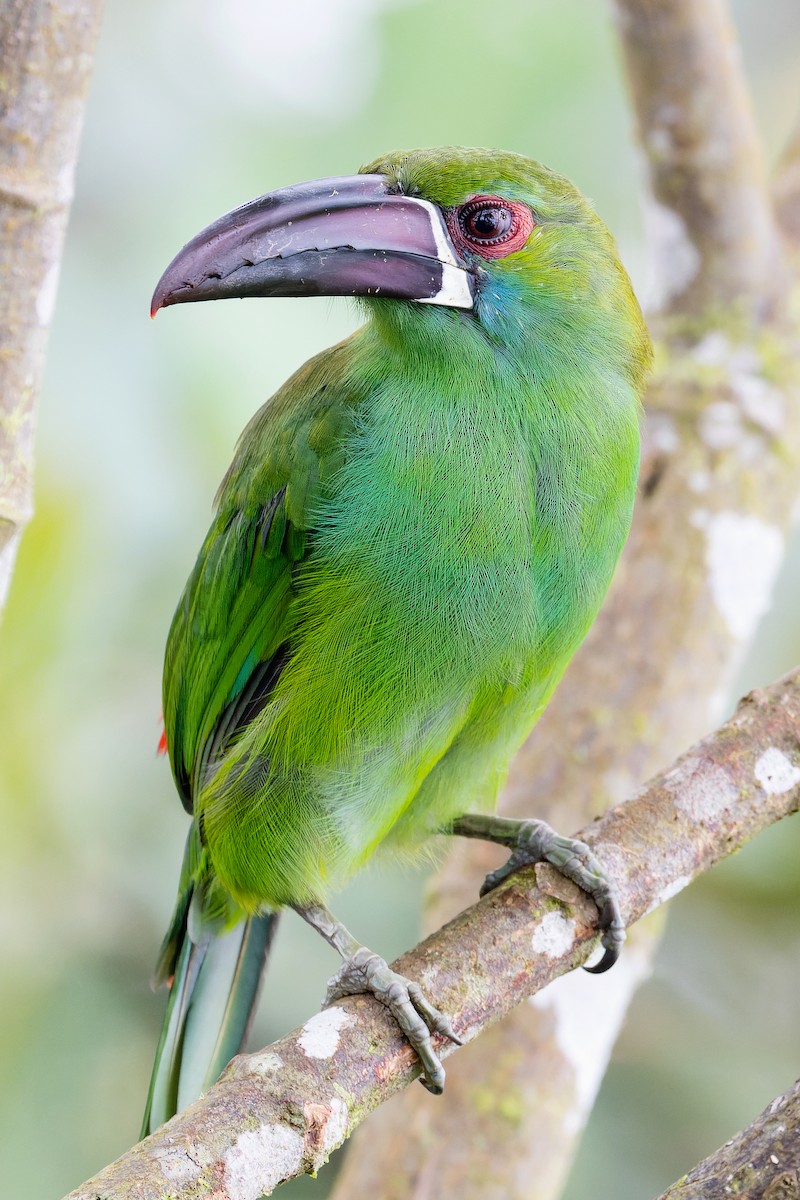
(415, 534)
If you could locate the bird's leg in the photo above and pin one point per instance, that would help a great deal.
(363, 971)
(534, 841)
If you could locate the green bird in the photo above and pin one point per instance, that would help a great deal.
(414, 536)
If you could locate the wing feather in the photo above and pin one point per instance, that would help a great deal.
(231, 633)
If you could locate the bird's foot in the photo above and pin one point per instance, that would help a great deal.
(364, 971)
(535, 841)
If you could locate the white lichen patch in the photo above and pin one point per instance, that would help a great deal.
(713, 350)
(260, 1159)
(721, 425)
(8, 556)
(669, 890)
(702, 793)
(428, 976)
(662, 433)
(775, 772)
(743, 554)
(676, 259)
(65, 181)
(699, 481)
(46, 296)
(266, 1063)
(588, 1012)
(336, 1126)
(673, 888)
(319, 1037)
(659, 140)
(761, 403)
(554, 935)
(326, 1128)
(199, 1153)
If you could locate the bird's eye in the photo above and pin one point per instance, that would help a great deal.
(491, 226)
(486, 222)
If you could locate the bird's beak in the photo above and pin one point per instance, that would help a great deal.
(345, 236)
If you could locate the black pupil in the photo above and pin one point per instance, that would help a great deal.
(486, 224)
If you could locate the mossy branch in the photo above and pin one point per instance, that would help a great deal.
(760, 1163)
(279, 1113)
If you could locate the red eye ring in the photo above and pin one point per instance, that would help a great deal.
(490, 226)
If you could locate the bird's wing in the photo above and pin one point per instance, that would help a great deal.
(228, 639)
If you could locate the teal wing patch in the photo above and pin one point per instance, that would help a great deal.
(231, 631)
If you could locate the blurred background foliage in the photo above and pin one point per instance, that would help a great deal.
(195, 107)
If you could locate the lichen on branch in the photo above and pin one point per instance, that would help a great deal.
(280, 1112)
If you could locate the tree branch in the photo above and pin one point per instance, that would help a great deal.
(281, 1112)
(760, 1163)
(712, 227)
(786, 191)
(46, 49)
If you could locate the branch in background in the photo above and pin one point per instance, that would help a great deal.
(719, 479)
(763, 1161)
(279, 1113)
(787, 189)
(713, 229)
(46, 49)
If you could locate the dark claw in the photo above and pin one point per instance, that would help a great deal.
(612, 942)
(610, 956)
(536, 842)
(416, 1016)
(491, 881)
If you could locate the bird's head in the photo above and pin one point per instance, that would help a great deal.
(488, 239)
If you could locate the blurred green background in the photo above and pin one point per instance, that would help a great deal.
(195, 107)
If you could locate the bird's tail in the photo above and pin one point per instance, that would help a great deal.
(214, 979)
